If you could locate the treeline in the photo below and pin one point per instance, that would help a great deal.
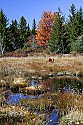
(15, 35)
(67, 35)
(54, 32)
(61, 35)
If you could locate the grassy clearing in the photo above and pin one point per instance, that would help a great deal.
(40, 65)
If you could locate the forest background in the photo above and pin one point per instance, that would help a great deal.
(53, 34)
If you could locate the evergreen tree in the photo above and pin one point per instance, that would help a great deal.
(28, 27)
(33, 33)
(75, 25)
(23, 30)
(8, 44)
(28, 33)
(77, 46)
(72, 24)
(34, 27)
(23, 25)
(3, 30)
(79, 19)
(14, 35)
(56, 42)
(28, 38)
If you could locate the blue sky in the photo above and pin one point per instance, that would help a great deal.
(31, 9)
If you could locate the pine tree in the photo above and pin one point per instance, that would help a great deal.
(3, 30)
(75, 26)
(14, 35)
(72, 24)
(79, 19)
(28, 27)
(34, 27)
(28, 33)
(56, 42)
(23, 30)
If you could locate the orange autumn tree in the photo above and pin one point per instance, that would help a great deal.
(44, 28)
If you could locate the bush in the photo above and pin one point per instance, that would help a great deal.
(77, 46)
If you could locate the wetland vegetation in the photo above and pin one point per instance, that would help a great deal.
(41, 70)
(35, 91)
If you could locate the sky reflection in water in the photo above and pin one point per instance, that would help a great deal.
(14, 98)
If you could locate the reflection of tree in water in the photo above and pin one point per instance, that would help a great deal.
(64, 84)
(61, 84)
(47, 83)
(54, 85)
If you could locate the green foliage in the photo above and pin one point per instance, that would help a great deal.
(28, 32)
(3, 30)
(77, 46)
(23, 31)
(63, 36)
(23, 25)
(13, 34)
(57, 39)
(34, 27)
(75, 26)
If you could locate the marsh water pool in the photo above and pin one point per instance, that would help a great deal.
(54, 85)
(63, 84)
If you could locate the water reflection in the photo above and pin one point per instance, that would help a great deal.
(32, 83)
(54, 85)
(14, 98)
(66, 84)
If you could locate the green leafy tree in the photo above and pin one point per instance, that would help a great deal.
(3, 30)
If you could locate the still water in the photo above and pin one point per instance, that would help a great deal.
(54, 85)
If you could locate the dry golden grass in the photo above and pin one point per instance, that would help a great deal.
(69, 101)
(41, 65)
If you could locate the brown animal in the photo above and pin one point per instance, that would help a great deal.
(51, 60)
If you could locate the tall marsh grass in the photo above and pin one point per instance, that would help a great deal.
(41, 65)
